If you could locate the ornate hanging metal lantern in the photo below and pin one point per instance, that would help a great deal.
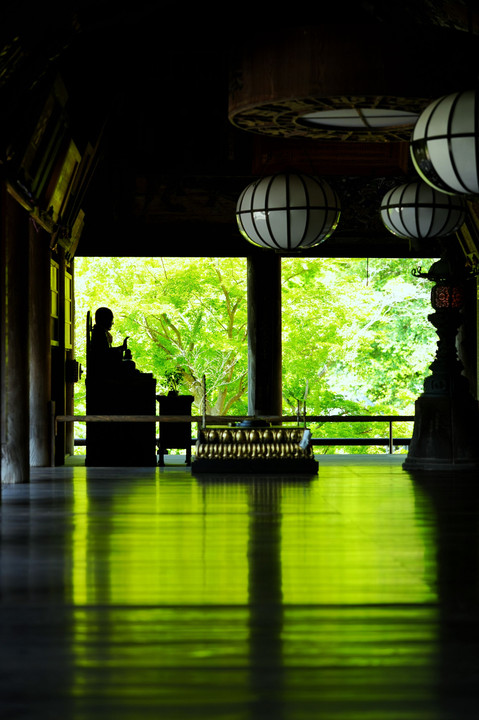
(446, 422)
(446, 296)
(418, 211)
(445, 144)
(448, 291)
(288, 212)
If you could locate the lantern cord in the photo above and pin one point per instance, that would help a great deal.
(367, 272)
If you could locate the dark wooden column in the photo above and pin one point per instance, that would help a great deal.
(14, 341)
(264, 334)
(39, 338)
(69, 360)
(58, 357)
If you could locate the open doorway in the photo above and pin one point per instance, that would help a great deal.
(355, 334)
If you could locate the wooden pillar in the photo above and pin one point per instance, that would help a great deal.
(58, 357)
(39, 339)
(14, 242)
(468, 335)
(69, 339)
(264, 334)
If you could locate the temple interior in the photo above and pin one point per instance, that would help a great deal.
(224, 585)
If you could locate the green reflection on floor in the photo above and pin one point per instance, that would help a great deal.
(159, 544)
(355, 542)
(250, 599)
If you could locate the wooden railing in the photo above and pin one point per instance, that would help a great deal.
(390, 441)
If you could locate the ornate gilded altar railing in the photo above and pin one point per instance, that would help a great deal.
(254, 449)
(251, 443)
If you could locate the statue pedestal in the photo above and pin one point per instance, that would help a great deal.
(121, 444)
(446, 434)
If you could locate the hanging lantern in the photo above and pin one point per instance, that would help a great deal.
(287, 212)
(448, 291)
(445, 144)
(418, 211)
(447, 297)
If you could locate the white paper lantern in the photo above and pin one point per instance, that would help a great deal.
(418, 211)
(287, 212)
(445, 144)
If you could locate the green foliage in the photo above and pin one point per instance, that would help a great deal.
(357, 334)
(173, 380)
(186, 317)
(356, 339)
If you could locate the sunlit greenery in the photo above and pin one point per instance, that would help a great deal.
(355, 332)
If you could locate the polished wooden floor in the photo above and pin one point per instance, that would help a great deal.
(130, 594)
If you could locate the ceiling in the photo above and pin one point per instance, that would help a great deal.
(156, 92)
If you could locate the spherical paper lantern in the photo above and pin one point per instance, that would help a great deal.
(445, 144)
(287, 212)
(418, 211)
